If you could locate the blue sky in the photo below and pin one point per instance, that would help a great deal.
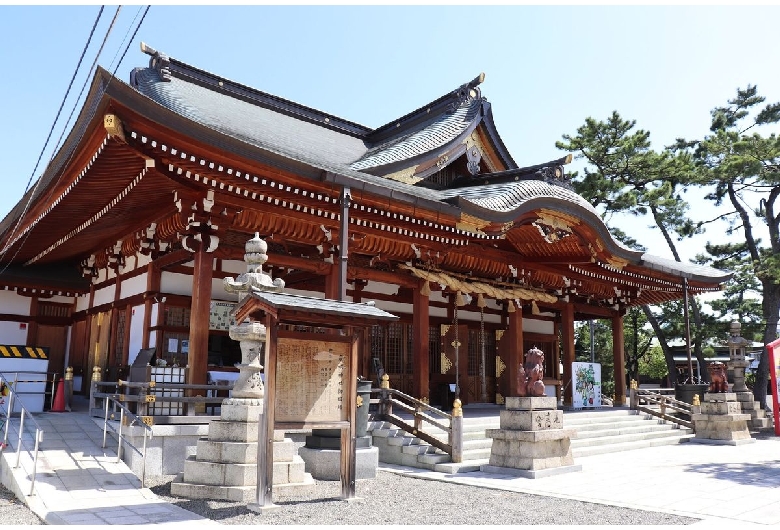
(547, 68)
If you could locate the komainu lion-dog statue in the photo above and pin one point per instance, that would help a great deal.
(529, 377)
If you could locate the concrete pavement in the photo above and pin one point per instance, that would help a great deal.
(80, 482)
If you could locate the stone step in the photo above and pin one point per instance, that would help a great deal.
(578, 452)
(644, 427)
(234, 474)
(467, 466)
(243, 494)
(627, 438)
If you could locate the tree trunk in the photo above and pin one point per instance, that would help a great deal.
(668, 356)
(771, 306)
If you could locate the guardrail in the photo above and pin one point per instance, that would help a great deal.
(125, 416)
(14, 400)
(422, 415)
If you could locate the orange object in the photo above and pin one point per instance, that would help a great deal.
(59, 397)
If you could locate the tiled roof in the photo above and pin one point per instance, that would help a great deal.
(320, 305)
(252, 123)
(673, 267)
(436, 132)
(509, 197)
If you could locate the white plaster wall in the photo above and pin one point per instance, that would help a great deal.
(538, 326)
(134, 285)
(174, 283)
(104, 295)
(13, 304)
(141, 260)
(82, 303)
(61, 299)
(11, 334)
(136, 332)
(234, 267)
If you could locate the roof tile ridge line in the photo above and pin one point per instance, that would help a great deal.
(186, 71)
(444, 102)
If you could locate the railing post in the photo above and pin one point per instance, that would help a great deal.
(119, 447)
(387, 406)
(633, 398)
(38, 436)
(456, 432)
(68, 388)
(94, 388)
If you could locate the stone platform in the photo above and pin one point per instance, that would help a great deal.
(721, 421)
(531, 441)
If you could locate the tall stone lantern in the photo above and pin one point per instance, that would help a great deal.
(248, 388)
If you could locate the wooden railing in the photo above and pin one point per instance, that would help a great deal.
(390, 401)
(658, 402)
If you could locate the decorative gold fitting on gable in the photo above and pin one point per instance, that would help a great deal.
(471, 224)
(113, 126)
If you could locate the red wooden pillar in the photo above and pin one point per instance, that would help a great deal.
(514, 359)
(619, 358)
(199, 317)
(332, 280)
(567, 336)
(421, 334)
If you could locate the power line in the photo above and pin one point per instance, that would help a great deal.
(51, 130)
(70, 157)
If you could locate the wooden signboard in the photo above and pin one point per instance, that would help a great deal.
(311, 379)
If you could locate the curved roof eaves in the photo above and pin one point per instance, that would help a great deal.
(253, 124)
(432, 134)
(691, 270)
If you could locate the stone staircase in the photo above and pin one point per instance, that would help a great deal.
(599, 431)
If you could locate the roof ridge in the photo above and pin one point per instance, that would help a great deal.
(169, 67)
(449, 102)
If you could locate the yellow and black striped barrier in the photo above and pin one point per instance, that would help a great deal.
(23, 352)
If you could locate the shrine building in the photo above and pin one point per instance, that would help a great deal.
(124, 241)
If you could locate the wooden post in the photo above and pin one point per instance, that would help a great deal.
(456, 434)
(348, 456)
(421, 336)
(514, 359)
(200, 309)
(619, 358)
(567, 336)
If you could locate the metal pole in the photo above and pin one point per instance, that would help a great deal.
(687, 329)
(592, 346)
(346, 199)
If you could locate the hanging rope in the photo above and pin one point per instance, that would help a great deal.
(481, 304)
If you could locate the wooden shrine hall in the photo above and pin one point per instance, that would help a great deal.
(124, 241)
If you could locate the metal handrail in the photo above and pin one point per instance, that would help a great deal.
(123, 411)
(12, 398)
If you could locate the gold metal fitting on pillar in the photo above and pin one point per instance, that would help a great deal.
(69, 373)
(696, 401)
(385, 381)
(457, 409)
(634, 384)
(96, 373)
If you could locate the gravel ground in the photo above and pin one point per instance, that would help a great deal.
(15, 512)
(393, 499)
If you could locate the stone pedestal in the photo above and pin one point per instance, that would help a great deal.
(721, 421)
(225, 464)
(531, 441)
(748, 405)
(323, 457)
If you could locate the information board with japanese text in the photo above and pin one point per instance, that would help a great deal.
(311, 380)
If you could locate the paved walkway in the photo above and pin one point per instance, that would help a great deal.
(79, 482)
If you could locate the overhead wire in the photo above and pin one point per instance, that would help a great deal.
(103, 89)
(51, 131)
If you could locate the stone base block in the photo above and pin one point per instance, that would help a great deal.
(531, 420)
(531, 473)
(233, 431)
(719, 396)
(531, 403)
(709, 441)
(325, 464)
(721, 407)
(240, 412)
(244, 494)
(530, 436)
